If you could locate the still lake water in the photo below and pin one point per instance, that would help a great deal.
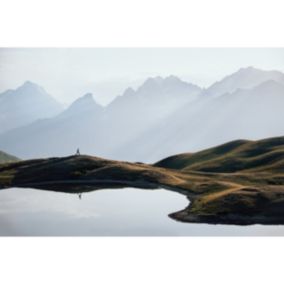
(108, 212)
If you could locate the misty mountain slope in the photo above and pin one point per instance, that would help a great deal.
(24, 105)
(164, 116)
(61, 135)
(254, 114)
(200, 117)
(134, 112)
(245, 78)
(96, 130)
(244, 114)
(150, 145)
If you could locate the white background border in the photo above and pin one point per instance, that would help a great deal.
(147, 23)
(155, 23)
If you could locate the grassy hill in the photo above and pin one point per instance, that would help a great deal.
(241, 182)
(6, 158)
(240, 155)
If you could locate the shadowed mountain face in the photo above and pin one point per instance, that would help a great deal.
(24, 105)
(241, 182)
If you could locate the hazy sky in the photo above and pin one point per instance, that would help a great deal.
(69, 73)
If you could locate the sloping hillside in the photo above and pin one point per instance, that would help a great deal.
(241, 182)
(6, 158)
(240, 155)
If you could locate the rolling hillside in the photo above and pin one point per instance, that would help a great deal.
(241, 182)
(239, 155)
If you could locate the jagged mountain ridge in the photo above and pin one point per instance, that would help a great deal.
(163, 116)
(96, 129)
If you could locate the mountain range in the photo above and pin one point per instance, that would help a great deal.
(244, 114)
(162, 117)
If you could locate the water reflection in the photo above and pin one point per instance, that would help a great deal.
(108, 212)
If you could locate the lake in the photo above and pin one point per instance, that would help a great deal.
(107, 212)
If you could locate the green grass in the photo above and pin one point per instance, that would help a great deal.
(240, 155)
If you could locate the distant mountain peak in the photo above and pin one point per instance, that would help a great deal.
(85, 99)
(84, 104)
(87, 96)
(152, 81)
(173, 78)
(251, 70)
(29, 85)
(248, 68)
(169, 82)
(129, 91)
(161, 80)
(245, 78)
(26, 104)
(29, 88)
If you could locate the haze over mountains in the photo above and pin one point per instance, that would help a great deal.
(164, 116)
(245, 78)
(24, 105)
(244, 114)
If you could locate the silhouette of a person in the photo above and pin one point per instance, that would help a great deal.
(80, 195)
(78, 152)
